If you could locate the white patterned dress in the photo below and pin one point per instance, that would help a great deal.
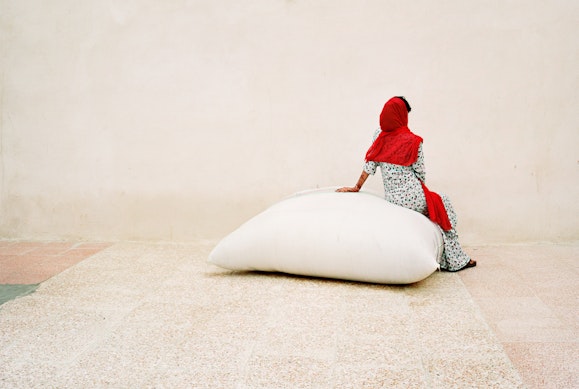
(402, 187)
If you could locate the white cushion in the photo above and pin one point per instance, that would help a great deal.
(350, 236)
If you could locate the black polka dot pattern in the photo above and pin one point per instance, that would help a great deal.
(402, 187)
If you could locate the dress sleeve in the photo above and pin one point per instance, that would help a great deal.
(418, 166)
(370, 166)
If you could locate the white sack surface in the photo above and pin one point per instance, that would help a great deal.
(349, 236)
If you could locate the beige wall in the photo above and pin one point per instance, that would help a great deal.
(178, 120)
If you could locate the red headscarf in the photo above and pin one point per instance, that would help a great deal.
(396, 144)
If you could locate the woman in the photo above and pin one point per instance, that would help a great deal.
(398, 152)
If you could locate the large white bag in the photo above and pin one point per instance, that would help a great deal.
(350, 236)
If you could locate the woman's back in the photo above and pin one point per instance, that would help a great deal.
(402, 183)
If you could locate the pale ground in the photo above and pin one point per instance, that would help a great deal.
(137, 315)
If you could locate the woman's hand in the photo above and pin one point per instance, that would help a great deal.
(348, 189)
(358, 186)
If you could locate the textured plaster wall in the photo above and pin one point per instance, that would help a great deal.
(177, 120)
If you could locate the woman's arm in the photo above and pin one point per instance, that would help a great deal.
(369, 168)
(358, 186)
(418, 166)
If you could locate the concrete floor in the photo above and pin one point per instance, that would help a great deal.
(130, 315)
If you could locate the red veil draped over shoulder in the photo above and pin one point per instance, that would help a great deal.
(396, 144)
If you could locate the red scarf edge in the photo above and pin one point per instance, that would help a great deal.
(436, 210)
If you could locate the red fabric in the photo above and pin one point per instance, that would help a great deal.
(396, 143)
(436, 211)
